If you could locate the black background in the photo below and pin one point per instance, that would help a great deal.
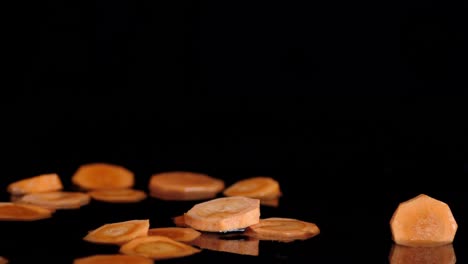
(353, 107)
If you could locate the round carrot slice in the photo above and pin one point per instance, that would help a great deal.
(22, 212)
(157, 247)
(422, 255)
(57, 200)
(224, 214)
(182, 234)
(113, 259)
(282, 229)
(103, 176)
(118, 233)
(179, 221)
(41, 183)
(184, 186)
(256, 187)
(237, 244)
(118, 195)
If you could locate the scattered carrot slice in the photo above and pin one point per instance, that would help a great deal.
(3, 260)
(237, 244)
(113, 259)
(282, 229)
(118, 195)
(181, 234)
(118, 233)
(103, 176)
(444, 254)
(256, 187)
(40, 183)
(56, 200)
(22, 212)
(423, 221)
(157, 247)
(184, 186)
(179, 221)
(224, 214)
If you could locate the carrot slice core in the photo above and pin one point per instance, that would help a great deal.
(118, 233)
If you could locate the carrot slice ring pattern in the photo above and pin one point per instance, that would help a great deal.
(118, 233)
(181, 234)
(56, 200)
(22, 212)
(256, 187)
(282, 229)
(36, 184)
(444, 254)
(112, 259)
(157, 247)
(184, 186)
(103, 176)
(224, 214)
(118, 195)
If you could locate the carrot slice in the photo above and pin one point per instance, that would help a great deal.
(22, 212)
(237, 244)
(224, 214)
(40, 183)
(179, 221)
(56, 200)
(270, 202)
(113, 259)
(182, 234)
(118, 195)
(256, 187)
(103, 176)
(3, 260)
(444, 254)
(184, 186)
(282, 229)
(423, 221)
(118, 233)
(157, 247)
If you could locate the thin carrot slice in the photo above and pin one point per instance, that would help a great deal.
(179, 221)
(236, 244)
(36, 184)
(95, 176)
(224, 214)
(56, 200)
(423, 221)
(444, 254)
(3, 260)
(256, 187)
(157, 247)
(282, 229)
(113, 259)
(184, 186)
(181, 234)
(118, 195)
(118, 233)
(22, 212)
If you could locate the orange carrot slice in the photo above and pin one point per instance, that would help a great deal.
(41, 183)
(56, 200)
(236, 244)
(184, 186)
(282, 229)
(157, 247)
(444, 254)
(256, 187)
(103, 176)
(179, 221)
(118, 233)
(113, 259)
(270, 202)
(423, 221)
(181, 234)
(118, 195)
(3, 260)
(22, 212)
(224, 214)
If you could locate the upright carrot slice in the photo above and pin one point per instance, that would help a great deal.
(236, 244)
(184, 186)
(157, 247)
(282, 229)
(179, 221)
(423, 221)
(22, 212)
(40, 183)
(103, 176)
(56, 200)
(118, 233)
(224, 214)
(181, 234)
(113, 259)
(444, 254)
(256, 187)
(118, 195)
